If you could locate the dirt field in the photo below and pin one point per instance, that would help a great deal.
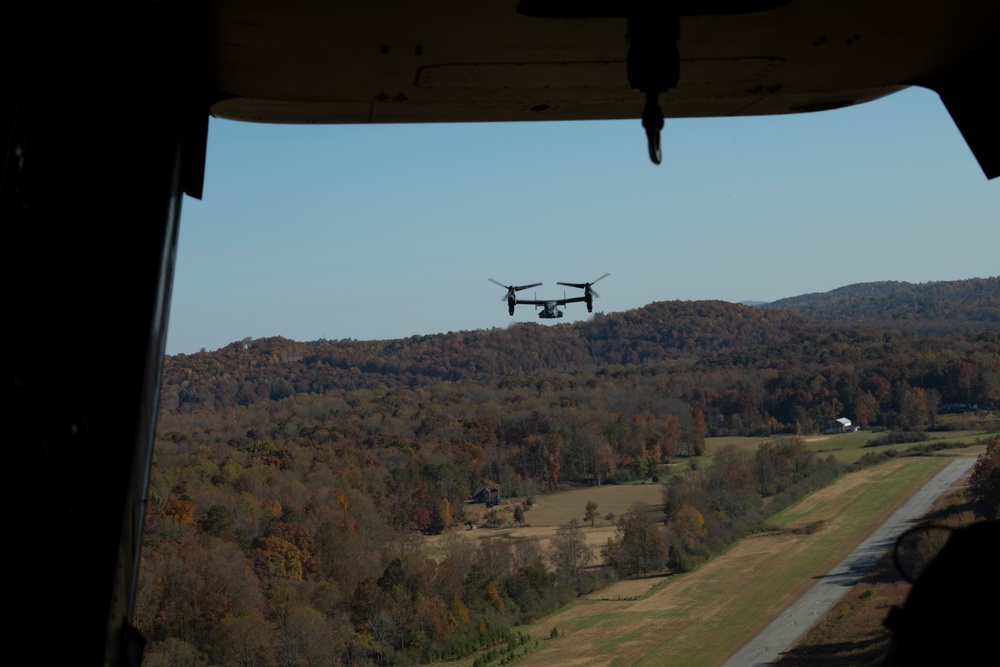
(700, 617)
(551, 511)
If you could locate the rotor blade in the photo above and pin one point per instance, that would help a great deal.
(518, 289)
(596, 295)
(601, 278)
(576, 285)
(509, 288)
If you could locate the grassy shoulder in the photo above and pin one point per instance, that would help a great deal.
(852, 632)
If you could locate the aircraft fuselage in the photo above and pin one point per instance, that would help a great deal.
(549, 311)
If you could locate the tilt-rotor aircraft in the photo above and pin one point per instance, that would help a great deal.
(105, 118)
(550, 307)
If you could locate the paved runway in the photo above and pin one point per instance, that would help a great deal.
(776, 638)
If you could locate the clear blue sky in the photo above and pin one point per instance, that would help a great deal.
(389, 231)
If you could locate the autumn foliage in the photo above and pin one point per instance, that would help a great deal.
(293, 481)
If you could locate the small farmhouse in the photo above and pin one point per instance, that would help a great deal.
(488, 494)
(843, 426)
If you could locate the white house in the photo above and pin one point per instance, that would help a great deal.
(843, 426)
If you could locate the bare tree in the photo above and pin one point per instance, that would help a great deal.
(592, 514)
(639, 546)
(569, 552)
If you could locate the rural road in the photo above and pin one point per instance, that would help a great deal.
(777, 637)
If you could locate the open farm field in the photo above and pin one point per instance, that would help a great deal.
(559, 508)
(550, 511)
(702, 617)
(713, 444)
(849, 447)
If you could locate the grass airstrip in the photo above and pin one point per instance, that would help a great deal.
(701, 617)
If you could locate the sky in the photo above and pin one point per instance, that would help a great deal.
(389, 231)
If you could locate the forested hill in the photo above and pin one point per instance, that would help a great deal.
(725, 358)
(946, 307)
(683, 331)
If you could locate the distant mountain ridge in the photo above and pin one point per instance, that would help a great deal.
(942, 307)
(659, 331)
(854, 291)
(676, 335)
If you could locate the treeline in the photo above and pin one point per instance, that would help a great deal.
(748, 371)
(707, 510)
(252, 371)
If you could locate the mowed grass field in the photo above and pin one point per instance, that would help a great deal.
(701, 617)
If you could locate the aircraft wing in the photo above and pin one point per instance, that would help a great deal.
(402, 61)
(546, 302)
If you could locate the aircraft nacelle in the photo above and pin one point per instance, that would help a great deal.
(512, 291)
(588, 291)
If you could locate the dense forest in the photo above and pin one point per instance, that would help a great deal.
(292, 480)
(947, 307)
